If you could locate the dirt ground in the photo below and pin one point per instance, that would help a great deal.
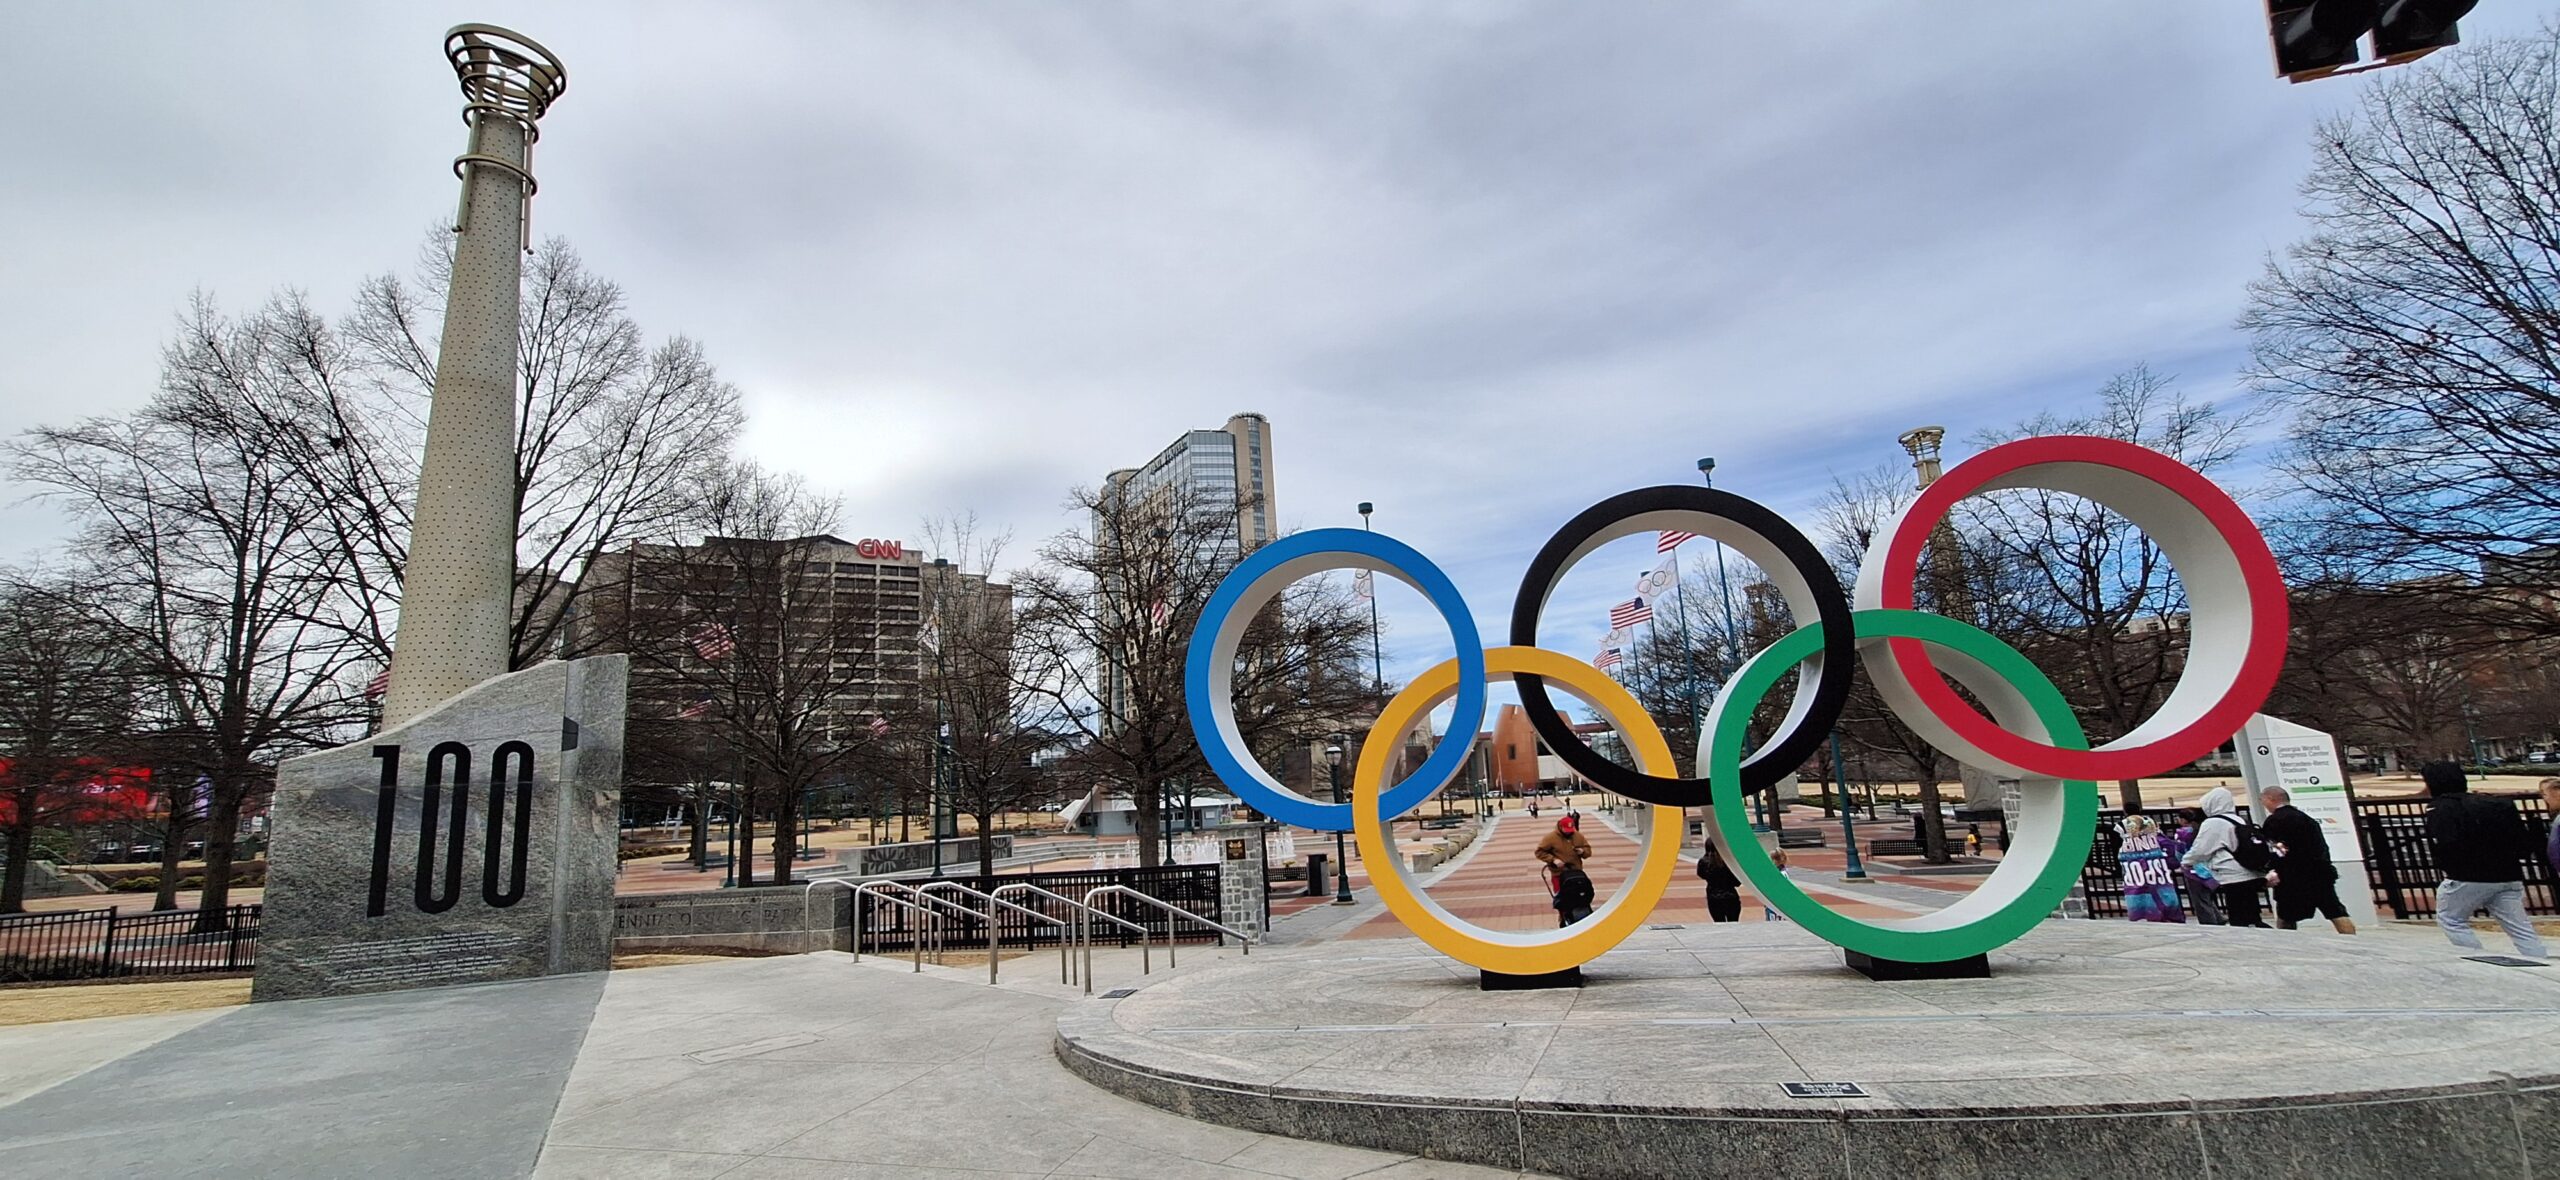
(81, 1001)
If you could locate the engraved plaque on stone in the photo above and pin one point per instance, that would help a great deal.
(475, 842)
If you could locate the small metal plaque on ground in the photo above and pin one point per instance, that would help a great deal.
(2504, 961)
(1823, 1089)
(1120, 993)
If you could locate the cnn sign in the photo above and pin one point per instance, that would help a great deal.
(878, 550)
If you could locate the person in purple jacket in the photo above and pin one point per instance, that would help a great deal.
(2551, 816)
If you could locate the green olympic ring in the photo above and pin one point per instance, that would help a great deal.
(2057, 819)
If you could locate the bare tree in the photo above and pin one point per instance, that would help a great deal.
(977, 712)
(613, 435)
(749, 635)
(1106, 622)
(2412, 335)
(198, 519)
(1854, 513)
(2082, 590)
(68, 699)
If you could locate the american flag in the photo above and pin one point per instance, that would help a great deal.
(1160, 614)
(1671, 539)
(1607, 659)
(711, 641)
(380, 684)
(1630, 613)
(879, 726)
(697, 710)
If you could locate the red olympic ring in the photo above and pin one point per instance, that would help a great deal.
(2238, 614)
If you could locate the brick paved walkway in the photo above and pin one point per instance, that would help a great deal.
(1501, 886)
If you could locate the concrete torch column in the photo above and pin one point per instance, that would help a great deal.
(458, 594)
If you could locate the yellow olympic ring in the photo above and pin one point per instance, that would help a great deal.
(1518, 952)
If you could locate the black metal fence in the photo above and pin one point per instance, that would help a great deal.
(2400, 861)
(102, 944)
(1191, 888)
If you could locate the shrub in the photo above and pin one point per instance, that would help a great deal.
(638, 851)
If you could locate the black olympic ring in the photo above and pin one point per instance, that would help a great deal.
(1792, 564)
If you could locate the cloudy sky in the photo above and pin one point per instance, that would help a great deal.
(1480, 263)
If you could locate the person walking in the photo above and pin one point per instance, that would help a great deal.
(2480, 844)
(2303, 878)
(1563, 851)
(1724, 890)
(2223, 839)
(2196, 879)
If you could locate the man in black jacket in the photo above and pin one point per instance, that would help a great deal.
(2304, 878)
(2480, 844)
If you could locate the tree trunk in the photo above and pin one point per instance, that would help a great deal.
(2129, 792)
(1148, 819)
(698, 821)
(173, 848)
(786, 835)
(213, 909)
(21, 846)
(1933, 823)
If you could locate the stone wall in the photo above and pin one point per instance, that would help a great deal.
(780, 920)
(958, 852)
(475, 842)
(1242, 865)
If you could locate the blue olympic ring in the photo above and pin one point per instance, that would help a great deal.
(1209, 670)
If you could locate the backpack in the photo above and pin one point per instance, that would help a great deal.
(2247, 846)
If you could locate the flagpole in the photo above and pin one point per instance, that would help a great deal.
(1688, 650)
(1377, 661)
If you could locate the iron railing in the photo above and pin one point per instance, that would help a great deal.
(104, 944)
(1191, 888)
(2400, 861)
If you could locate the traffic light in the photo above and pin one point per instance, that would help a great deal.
(2315, 37)
(2411, 29)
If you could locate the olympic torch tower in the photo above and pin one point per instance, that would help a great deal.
(473, 837)
(458, 593)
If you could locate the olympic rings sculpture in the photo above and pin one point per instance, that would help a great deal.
(2238, 622)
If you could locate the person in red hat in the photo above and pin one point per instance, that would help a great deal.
(1563, 851)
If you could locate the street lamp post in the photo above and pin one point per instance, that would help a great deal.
(1731, 653)
(729, 878)
(1857, 870)
(1341, 853)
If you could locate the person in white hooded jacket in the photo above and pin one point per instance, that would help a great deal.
(2233, 883)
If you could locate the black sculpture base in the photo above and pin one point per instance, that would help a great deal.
(1495, 981)
(1895, 970)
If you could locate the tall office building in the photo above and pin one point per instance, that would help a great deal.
(1223, 473)
(1226, 470)
(868, 603)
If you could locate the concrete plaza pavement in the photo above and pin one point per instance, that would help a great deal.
(811, 1065)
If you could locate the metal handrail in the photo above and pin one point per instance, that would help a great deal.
(1144, 966)
(916, 944)
(810, 922)
(992, 934)
(1081, 909)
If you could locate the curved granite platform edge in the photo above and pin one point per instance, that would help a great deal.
(2505, 1127)
(2446, 1108)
